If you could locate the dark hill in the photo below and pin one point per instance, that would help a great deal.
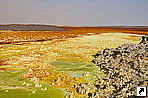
(30, 27)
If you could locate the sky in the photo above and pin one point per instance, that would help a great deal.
(74, 12)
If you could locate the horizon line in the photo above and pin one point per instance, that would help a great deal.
(70, 24)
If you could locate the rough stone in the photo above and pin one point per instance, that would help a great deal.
(125, 67)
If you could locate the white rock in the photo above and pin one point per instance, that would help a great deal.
(28, 84)
(45, 88)
(23, 83)
(6, 90)
(38, 85)
(33, 92)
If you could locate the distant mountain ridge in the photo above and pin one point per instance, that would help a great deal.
(45, 27)
(30, 27)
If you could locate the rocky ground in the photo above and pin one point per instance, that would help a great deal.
(125, 67)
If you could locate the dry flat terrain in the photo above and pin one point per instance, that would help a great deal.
(9, 35)
(49, 63)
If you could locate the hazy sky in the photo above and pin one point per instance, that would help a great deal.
(75, 12)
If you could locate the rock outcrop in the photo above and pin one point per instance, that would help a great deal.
(125, 67)
(82, 88)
